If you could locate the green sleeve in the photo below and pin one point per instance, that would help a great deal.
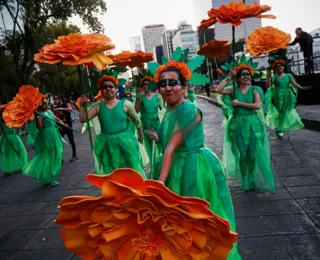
(132, 113)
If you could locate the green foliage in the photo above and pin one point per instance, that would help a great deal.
(153, 67)
(35, 23)
(199, 79)
(196, 62)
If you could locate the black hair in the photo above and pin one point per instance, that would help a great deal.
(144, 80)
(180, 76)
(61, 97)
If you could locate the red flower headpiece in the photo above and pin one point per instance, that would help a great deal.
(282, 62)
(247, 67)
(181, 66)
(105, 78)
(128, 94)
(144, 79)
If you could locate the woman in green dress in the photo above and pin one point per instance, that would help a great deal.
(116, 146)
(32, 132)
(246, 149)
(187, 166)
(46, 165)
(13, 154)
(148, 104)
(281, 101)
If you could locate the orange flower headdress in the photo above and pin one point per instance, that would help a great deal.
(282, 62)
(141, 219)
(22, 108)
(145, 78)
(187, 67)
(128, 93)
(246, 67)
(107, 78)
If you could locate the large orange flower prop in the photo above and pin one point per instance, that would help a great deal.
(141, 219)
(22, 108)
(127, 59)
(234, 12)
(267, 40)
(183, 67)
(76, 49)
(215, 49)
(99, 96)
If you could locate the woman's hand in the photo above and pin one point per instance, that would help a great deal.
(84, 100)
(306, 88)
(153, 135)
(235, 103)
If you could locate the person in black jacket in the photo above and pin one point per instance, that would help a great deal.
(305, 41)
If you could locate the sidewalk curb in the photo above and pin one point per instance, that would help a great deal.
(308, 123)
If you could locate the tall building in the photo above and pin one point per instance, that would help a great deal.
(158, 53)
(151, 35)
(166, 41)
(205, 36)
(135, 44)
(224, 31)
(200, 10)
(186, 38)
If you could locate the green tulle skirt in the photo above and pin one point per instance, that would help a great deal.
(282, 115)
(49, 154)
(149, 124)
(32, 132)
(13, 155)
(117, 151)
(142, 149)
(209, 183)
(246, 152)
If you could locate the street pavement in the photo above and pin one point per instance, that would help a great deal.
(276, 225)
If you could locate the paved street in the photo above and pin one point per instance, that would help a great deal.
(276, 225)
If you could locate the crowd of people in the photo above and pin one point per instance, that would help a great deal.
(163, 127)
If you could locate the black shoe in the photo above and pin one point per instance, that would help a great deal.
(74, 158)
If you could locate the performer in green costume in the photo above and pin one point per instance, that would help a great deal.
(49, 148)
(281, 100)
(187, 167)
(116, 146)
(13, 155)
(246, 149)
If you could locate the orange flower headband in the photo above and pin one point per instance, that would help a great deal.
(181, 66)
(243, 66)
(128, 94)
(282, 62)
(105, 78)
(145, 78)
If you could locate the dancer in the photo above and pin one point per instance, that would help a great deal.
(32, 132)
(62, 110)
(148, 105)
(116, 146)
(246, 152)
(49, 148)
(13, 154)
(187, 167)
(281, 100)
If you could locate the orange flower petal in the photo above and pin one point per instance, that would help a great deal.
(215, 49)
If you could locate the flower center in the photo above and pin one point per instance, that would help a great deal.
(148, 243)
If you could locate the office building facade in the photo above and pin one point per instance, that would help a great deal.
(135, 44)
(166, 42)
(151, 35)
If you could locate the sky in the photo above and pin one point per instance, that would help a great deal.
(125, 18)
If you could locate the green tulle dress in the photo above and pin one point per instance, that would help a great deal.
(196, 171)
(49, 152)
(281, 101)
(32, 132)
(246, 149)
(117, 147)
(13, 154)
(150, 120)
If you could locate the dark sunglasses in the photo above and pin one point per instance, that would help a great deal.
(163, 83)
(107, 87)
(278, 66)
(244, 74)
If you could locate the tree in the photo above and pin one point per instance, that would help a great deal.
(57, 78)
(30, 18)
